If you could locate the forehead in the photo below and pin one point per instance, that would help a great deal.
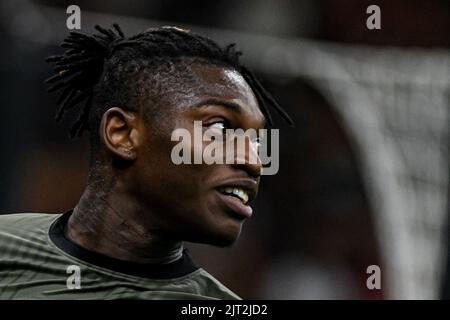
(226, 84)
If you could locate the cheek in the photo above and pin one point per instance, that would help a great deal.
(169, 184)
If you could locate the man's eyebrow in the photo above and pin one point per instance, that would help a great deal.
(227, 104)
(219, 102)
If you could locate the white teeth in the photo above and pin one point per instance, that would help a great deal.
(240, 193)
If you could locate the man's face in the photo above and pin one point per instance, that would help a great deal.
(188, 201)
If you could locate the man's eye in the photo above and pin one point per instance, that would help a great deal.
(217, 130)
(218, 126)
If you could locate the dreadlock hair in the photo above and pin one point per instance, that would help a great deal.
(96, 70)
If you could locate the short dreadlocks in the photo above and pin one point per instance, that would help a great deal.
(96, 68)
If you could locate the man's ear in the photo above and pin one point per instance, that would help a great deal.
(119, 132)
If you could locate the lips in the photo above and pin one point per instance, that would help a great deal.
(236, 206)
(236, 194)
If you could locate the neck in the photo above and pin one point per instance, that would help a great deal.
(110, 223)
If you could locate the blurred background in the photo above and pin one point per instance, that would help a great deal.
(364, 176)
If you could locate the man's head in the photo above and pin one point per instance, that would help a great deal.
(136, 92)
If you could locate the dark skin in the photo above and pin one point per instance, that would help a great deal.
(147, 206)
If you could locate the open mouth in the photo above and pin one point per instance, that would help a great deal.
(236, 192)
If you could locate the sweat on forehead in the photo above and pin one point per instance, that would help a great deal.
(223, 82)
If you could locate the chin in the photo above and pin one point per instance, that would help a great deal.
(224, 242)
(217, 227)
(226, 236)
(223, 236)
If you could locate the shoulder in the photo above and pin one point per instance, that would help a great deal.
(213, 287)
(18, 227)
(21, 221)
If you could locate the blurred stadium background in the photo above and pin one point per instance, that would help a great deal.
(364, 176)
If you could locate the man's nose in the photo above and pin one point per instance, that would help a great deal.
(248, 158)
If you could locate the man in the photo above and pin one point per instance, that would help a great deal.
(124, 239)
